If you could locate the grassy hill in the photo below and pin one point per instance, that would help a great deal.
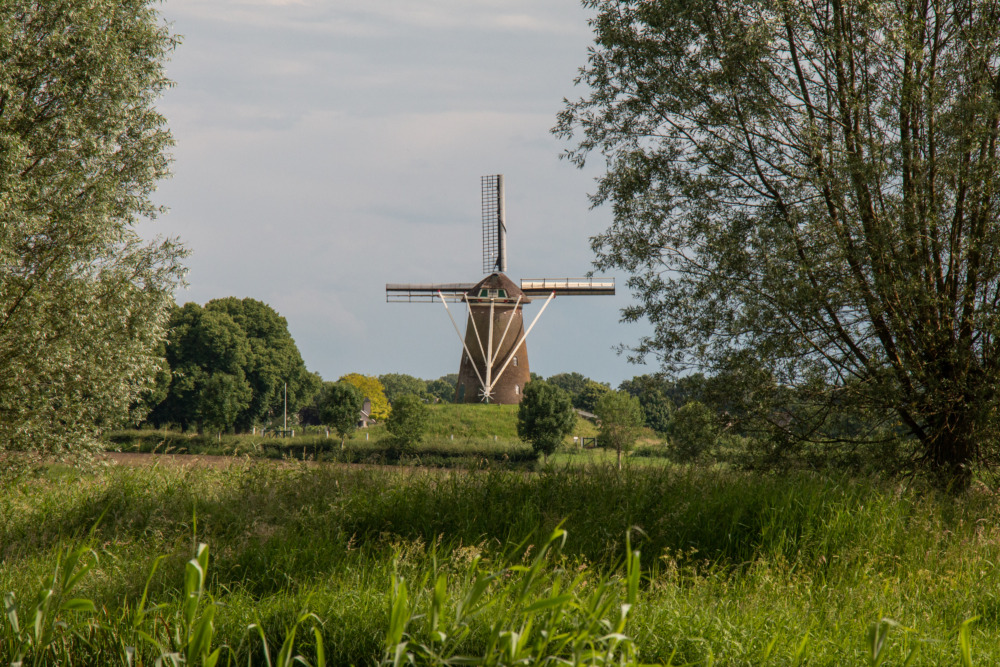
(472, 420)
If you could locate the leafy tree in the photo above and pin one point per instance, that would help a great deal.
(220, 397)
(371, 389)
(274, 360)
(400, 384)
(544, 417)
(572, 383)
(651, 392)
(207, 353)
(621, 421)
(693, 431)
(408, 422)
(591, 394)
(83, 299)
(441, 389)
(339, 406)
(811, 186)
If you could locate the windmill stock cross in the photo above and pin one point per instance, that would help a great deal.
(494, 366)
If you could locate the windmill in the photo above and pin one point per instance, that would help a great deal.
(494, 366)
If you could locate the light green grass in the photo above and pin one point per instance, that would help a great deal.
(738, 569)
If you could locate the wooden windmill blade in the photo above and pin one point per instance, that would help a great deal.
(568, 286)
(425, 292)
(494, 224)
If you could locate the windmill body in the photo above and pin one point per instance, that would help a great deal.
(496, 320)
(494, 365)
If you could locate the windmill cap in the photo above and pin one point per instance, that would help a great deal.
(496, 282)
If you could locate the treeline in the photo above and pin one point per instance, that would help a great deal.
(232, 366)
(226, 366)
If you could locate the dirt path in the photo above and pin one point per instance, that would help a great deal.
(202, 460)
(136, 459)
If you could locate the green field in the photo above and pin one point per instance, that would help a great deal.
(737, 569)
(461, 436)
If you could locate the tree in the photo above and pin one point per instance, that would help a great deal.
(401, 384)
(207, 353)
(591, 394)
(693, 431)
(651, 392)
(621, 421)
(339, 407)
(572, 383)
(273, 362)
(371, 389)
(441, 389)
(408, 422)
(544, 417)
(83, 299)
(809, 189)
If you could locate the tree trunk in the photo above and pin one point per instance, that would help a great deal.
(619, 458)
(951, 452)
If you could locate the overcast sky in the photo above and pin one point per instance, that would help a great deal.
(327, 147)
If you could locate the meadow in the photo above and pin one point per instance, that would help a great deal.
(360, 565)
(458, 436)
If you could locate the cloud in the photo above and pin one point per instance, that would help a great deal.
(380, 17)
(327, 148)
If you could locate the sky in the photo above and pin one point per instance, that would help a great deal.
(325, 148)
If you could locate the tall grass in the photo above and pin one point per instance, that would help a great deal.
(737, 568)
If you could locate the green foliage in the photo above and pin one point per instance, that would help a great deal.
(229, 363)
(441, 389)
(572, 383)
(373, 390)
(83, 299)
(339, 406)
(693, 431)
(207, 353)
(401, 384)
(653, 396)
(798, 196)
(760, 570)
(273, 361)
(621, 421)
(592, 393)
(408, 421)
(538, 616)
(545, 416)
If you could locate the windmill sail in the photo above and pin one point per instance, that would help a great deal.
(494, 224)
(494, 365)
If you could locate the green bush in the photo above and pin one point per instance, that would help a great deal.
(693, 432)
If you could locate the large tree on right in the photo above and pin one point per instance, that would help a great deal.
(805, 193)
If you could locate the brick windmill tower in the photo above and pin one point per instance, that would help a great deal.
(494, 366)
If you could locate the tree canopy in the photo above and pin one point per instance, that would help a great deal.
(207, 353)
(339, 406)
(401, 384)
(83, 299)
(805, 194)
(371, 388)
(273, 361)
(545, 416)
(408, 422)
(621, 421)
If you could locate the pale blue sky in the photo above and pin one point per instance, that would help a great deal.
(327, 148)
